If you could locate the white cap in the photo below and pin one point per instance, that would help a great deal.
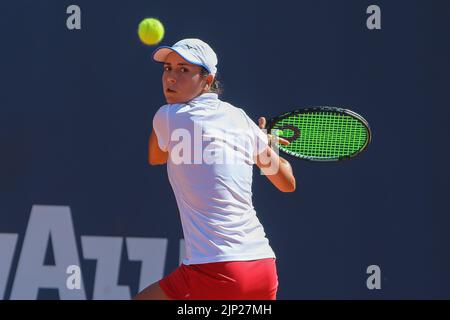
(194, 51)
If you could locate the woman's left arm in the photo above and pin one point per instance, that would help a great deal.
(156, 156)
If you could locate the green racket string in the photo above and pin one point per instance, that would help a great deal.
(323, 135)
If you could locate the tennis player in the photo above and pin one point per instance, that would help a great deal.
(228, 255)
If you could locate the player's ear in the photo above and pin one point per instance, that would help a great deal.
(209, 80)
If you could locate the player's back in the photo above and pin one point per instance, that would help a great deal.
(211, 146)
(211, 155)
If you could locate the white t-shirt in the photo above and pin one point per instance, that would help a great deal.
(211, 145)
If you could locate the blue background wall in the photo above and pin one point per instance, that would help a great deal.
(76, 109)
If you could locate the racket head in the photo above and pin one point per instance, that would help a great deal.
(322, 133)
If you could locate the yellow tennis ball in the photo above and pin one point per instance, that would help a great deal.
(151, 31)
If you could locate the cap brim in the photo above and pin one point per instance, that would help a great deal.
(161, 53)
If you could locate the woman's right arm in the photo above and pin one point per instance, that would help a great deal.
(155, 154)
(277, 169)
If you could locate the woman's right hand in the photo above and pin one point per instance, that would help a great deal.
(271, 137)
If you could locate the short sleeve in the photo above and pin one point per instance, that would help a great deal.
(259, 139)
(161, 127)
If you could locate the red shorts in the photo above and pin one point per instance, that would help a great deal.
(229, 280)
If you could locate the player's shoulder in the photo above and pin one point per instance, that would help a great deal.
(236, 114)
(169, 107)
(233, 108)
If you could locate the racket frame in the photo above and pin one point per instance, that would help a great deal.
(351, 113)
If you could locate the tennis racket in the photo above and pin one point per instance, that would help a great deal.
(321, 133)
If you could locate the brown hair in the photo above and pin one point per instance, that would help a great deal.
(216, 86)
